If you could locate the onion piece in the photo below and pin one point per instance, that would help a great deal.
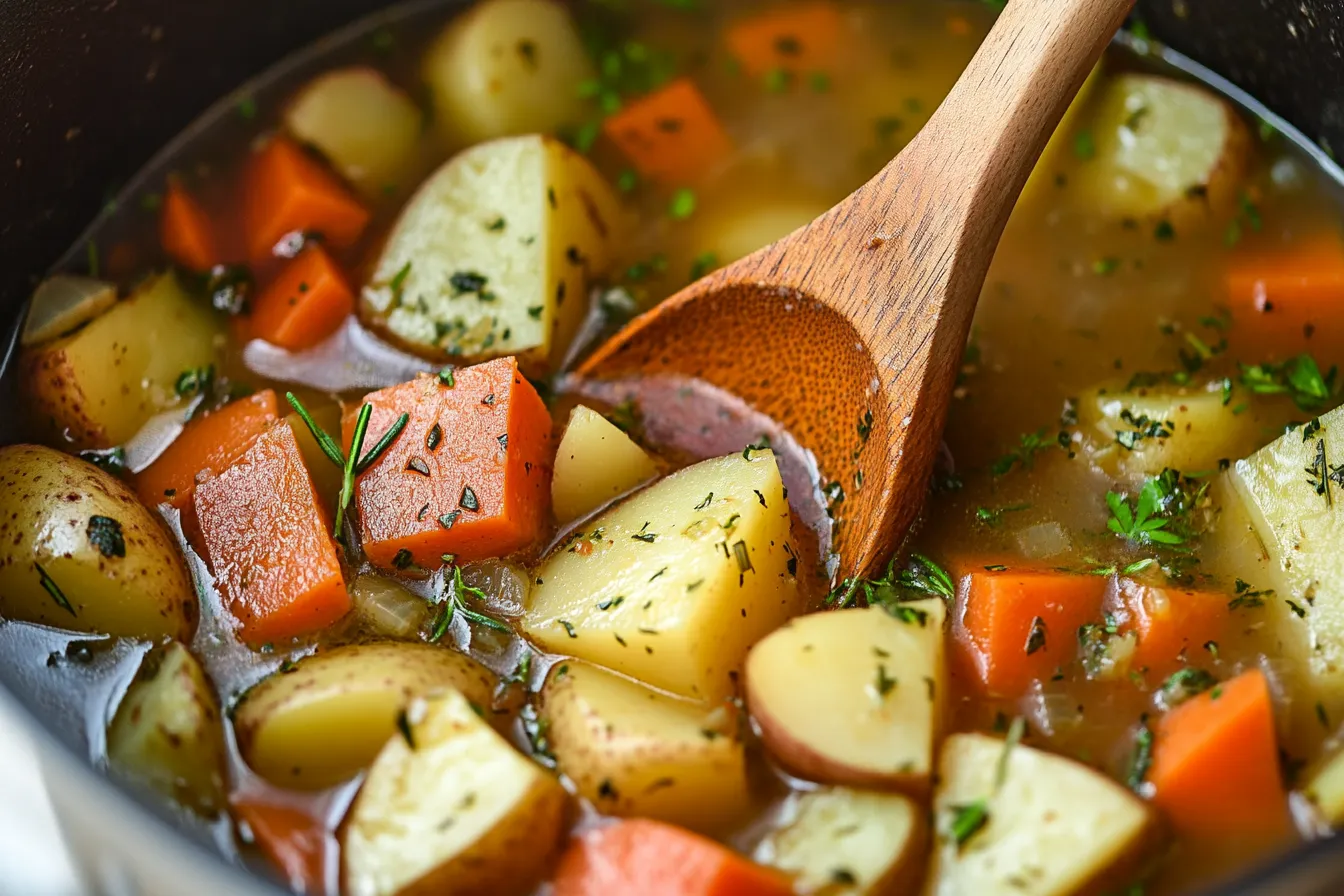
(387, 607)
(352, 358)
(62, 303)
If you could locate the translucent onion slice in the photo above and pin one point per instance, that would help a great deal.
(64, 302)
(387, 607)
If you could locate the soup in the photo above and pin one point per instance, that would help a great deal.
(316, 537)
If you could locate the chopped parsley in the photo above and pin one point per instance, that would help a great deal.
(105, 534)
(967, 821)
(1141, 757)
(682, 205)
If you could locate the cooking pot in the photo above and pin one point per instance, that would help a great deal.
(90, 89)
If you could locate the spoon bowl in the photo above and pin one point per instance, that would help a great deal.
(849, 331)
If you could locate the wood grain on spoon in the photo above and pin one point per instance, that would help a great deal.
(849, 332)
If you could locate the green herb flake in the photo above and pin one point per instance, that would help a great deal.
(682, 204)
(967, 821)
(49, 585)
(105, 534)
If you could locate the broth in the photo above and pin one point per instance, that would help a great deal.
(1080, 304)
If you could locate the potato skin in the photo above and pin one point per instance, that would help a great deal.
(316, 723)
(47, 500)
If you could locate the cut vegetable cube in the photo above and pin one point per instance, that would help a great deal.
(595, 464)
(186, 231)
(1215, 771)
(96, 387)
(269, 545)
(1007, 814)
(798, 38)
(368, 128)
(1296, 292)
(1172, 625)
(853, 697)
(676, 583)
(1325, 790)
(655, 859)
(306, 303)
(469, 476)
(844, 842)
(450, 807)
(495, 254)
(295, 842)
(288, 191)
(167, 731)
(632, 751)
(1021, 626)
(671, 135)
(209, 444)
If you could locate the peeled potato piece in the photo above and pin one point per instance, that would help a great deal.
(366, 127)
(1049, 826)
(64, 302)
(318, 722)
(1163, 149)
(853, 697)
(634, 752)
(595, 464)
(450, 807)
(167, 730)
(844, 842)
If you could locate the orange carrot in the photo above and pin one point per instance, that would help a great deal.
(1215, 769)
(1296, 292)
(1020, 626)
(295, 843)
(470, 474)
(305, 304)
(268, 543)
(186, 232)
(1172, 625)
(671, 135)
(795, 38)
(655, 859)
(289, 191)
(208, 444)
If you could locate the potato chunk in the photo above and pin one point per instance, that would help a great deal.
(853, 697)
(450, 807)
(366, 127)
(595, 464)
(675, 584)
(507, 67)
(844, 842)
(1143, 432)
(634, 752)
(79, 551)
(494, 254)
(1325, 790)
(1051, 827)
(96, 387)
(318, 722)
(167, 731)
(1163, 149)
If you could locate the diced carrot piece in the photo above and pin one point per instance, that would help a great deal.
(295, 843)
(268, 544)
(1172, 625)
(470, 474)
(1296, 292)
(186, 232)
(289, 191)
(1215, 769)
(655, 859)
(795, 38)
(1000, 641)
(305, 304)
(208, 444)
(671, 135)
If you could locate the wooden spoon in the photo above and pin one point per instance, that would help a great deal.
(850, 331)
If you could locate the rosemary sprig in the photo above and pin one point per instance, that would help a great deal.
(324, 441)
(348, 479)
(383, 444)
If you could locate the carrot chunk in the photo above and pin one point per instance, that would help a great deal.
(797, 38)
(267, 542)
(470, 474)
(655, 859)
(305, 304)
(289, 191)
(186, 232)
(1297, 292)
(1020, 626)
(295, 843)
(1172, 625)
(671, 135)
(208, 444)
(1215, 770)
